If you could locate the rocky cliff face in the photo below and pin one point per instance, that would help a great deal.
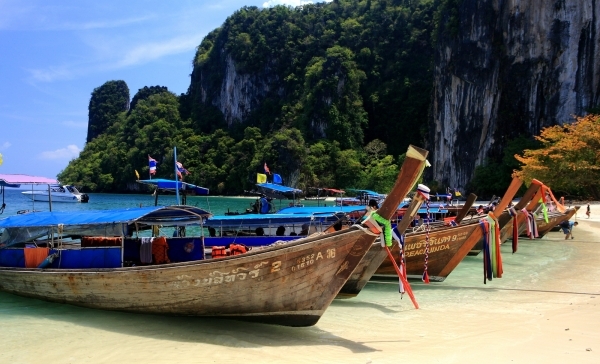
(510, 67)
(238, 93)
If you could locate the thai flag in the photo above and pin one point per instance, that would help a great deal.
(267, 170)
(152, 164)
(181, 170)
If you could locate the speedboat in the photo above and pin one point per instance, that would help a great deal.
(66, 193)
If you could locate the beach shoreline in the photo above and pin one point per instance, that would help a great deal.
(546, 308)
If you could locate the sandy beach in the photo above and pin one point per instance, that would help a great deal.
(546, 308)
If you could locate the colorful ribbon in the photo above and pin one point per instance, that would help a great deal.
(515, 239)
(492, 258)
(532, 231)
(425, 277)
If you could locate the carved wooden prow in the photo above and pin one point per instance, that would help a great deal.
(409, 174)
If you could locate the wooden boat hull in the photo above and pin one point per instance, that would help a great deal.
(448, 246)
(554, 219)
(291, 284)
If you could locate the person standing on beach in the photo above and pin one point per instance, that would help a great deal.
(587, 211)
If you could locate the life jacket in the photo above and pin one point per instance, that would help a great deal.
(219, 252)
(159, 250)
(237, 249)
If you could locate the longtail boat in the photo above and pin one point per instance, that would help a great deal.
(289, 284)
(448, 246)
(545, 224)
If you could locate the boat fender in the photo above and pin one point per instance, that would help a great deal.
(48, 261)
(218, 252)
(237, 249)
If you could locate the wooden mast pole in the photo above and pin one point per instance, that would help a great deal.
(176, 178)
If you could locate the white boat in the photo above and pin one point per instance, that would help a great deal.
(66, 193)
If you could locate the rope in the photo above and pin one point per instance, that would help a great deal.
(419, 228)
(427, 231)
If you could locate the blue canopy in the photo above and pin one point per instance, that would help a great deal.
(320, 209)
(169, 184)
(345, 209)
(277, 191)
(236, 221)
(27, 227)
(366, 192)
(155, 215)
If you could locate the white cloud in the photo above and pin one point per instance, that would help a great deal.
(150, 51)
(68, 153)
(103, 24)
(5, 146)
(111, 58)
(51, 74)
(294, 3)
(75, 124)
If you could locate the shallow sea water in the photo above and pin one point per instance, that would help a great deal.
(357, 330)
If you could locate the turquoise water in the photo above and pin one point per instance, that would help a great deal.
(218, 205)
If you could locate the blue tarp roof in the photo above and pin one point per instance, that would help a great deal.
(266, 219)
(177, 215)
(278, 188)
(344, 209)
(368, 192)
(169, 184)
(320, 209)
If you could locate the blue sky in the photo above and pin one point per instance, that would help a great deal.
(54, 53)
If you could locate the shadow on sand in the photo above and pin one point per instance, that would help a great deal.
(213, 331)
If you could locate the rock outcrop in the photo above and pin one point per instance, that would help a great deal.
(506, 68)
(239, 93)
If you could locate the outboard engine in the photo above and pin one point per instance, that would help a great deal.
(85, 198)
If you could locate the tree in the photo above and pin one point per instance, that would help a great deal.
(569, 160)
(494, 177)
(106, 103)
(144, 93)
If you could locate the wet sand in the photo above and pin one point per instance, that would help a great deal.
(546, 308)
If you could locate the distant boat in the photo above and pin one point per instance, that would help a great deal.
(315, 198)
(362, 198)
(66, 193)
(324, 196)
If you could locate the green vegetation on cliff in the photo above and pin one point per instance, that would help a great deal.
(326, 94)
(348, 71)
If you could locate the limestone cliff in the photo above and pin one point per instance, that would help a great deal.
(509, 67)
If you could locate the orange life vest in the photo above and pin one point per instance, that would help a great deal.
(237, 249)
(219, 252)
(159, 250)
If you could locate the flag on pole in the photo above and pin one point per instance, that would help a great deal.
(261, 178)
(152, 164)
(181, 170)
(267, 170)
